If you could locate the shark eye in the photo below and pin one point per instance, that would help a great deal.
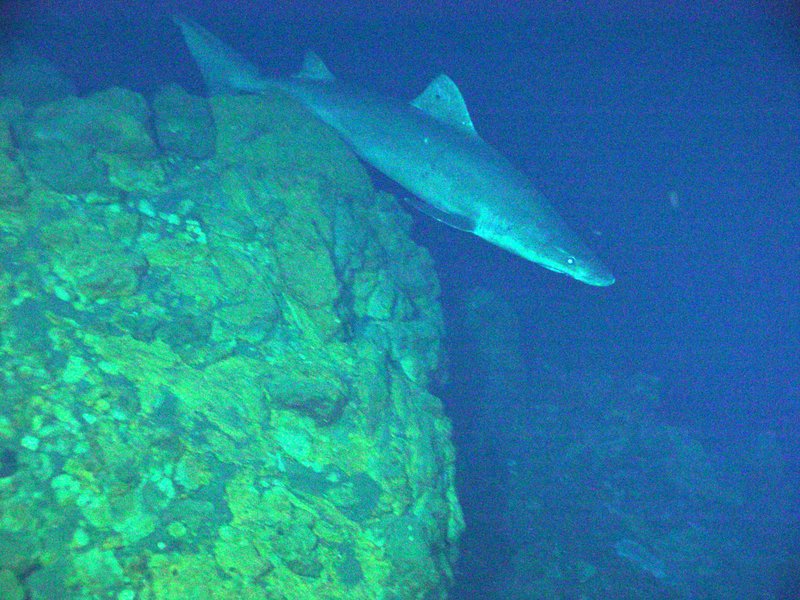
(570, 260)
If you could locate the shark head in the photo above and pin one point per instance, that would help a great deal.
(554, 247)
(578, 263)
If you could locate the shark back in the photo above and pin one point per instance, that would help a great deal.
(428, 146)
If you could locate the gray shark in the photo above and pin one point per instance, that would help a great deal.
(428, 146)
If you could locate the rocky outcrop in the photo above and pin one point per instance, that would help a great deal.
(215, 345)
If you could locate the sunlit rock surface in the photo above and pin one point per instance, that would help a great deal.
(214, 371)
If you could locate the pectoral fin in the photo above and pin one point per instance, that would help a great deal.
(458, 221)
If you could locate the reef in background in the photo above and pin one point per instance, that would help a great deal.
(215, 344)
(575, 486)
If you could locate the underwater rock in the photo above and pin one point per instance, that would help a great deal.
(305, 264)
(8, 462)
(90, 262)
(29, 77)
(214, 372)
(321, 398)
(183, 123)
(271, 137)
(80, 145)
(10, 587)
(13, 185)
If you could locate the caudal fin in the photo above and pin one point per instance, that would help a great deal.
(224, 70)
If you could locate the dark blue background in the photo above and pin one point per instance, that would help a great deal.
(610, 109)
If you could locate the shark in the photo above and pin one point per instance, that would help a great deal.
(429, 147)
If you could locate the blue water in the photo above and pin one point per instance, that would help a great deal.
(670, 140)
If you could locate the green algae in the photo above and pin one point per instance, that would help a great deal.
(214, 372)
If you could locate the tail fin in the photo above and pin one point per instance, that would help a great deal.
(224, 69)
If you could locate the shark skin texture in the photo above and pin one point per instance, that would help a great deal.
(429, 146)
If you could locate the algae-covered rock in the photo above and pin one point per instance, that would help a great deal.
(10, 587)
(214, 372)
(13, 185)
(80, 145)
(309, 388)
(90, 259)
(183, 123)
(272, 136)
(29, 77)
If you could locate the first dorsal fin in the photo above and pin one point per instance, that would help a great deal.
(443, 101)
(314, 68)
